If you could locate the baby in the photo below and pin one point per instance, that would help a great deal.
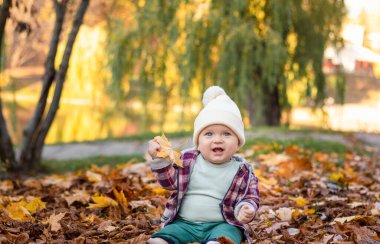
(215, 194)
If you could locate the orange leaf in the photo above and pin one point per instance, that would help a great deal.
(18, 212)
(120, 197)
(167, 150)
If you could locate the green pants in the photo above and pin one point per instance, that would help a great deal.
(182, 231)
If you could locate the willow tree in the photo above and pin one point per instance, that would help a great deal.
(253, 48)
(53, 80)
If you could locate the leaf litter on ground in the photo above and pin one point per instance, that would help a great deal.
(306, 197)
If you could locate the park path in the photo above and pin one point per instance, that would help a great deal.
(138, 147)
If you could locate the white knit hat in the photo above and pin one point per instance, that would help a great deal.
(219, 109)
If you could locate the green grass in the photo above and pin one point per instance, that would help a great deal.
(304, 143)
(55, 166)
(285, 129)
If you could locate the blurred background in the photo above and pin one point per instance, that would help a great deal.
(142, 66)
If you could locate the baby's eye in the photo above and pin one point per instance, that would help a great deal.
(227, 133)
(208, 134)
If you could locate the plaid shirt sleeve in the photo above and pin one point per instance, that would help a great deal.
(167, 177)
(251, 196)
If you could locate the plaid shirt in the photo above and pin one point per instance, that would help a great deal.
(243, 189)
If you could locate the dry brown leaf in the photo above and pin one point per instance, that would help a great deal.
(285, 214)
(33, 183)
(6, 185)
(93, 177)
(276, 226)
(78, 196)
(141, 239)
(57, 180)
(53, 221)
(106, 225)
(167, 150)
(364, 235)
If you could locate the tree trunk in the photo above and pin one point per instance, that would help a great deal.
(32, 130)
(7, 155)
(60, 79)
(272, 106)
(35, 133)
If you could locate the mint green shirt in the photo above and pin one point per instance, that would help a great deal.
(208, 185)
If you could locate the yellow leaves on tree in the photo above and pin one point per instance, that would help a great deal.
(167, 151)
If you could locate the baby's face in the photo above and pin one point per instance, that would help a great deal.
(217, 143)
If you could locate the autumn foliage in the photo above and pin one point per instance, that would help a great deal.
(306, 197)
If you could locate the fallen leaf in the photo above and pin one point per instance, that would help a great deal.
(364, 235)
(141, 203)
(57, 180)
(53, 221)
(93, 177)
(106, 225)
(276, 226)
(376, 209)
(102, 202)
(34, 205)
(337, 177)
(285, 214)
(6, 185)
(33, 183)
(300, 201)
(357, 204)
(120, 197)
(78, 196)
(167, 150)
(18, 212)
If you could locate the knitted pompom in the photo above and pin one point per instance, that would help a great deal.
(211, 93)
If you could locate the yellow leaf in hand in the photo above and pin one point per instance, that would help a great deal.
(167, 150)
(102, 202)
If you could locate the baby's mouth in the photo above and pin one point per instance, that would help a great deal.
(217, 149)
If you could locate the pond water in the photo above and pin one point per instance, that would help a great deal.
(81, 121)
(84, 122)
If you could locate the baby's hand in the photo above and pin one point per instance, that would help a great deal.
(153, 148)
(246, 214)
